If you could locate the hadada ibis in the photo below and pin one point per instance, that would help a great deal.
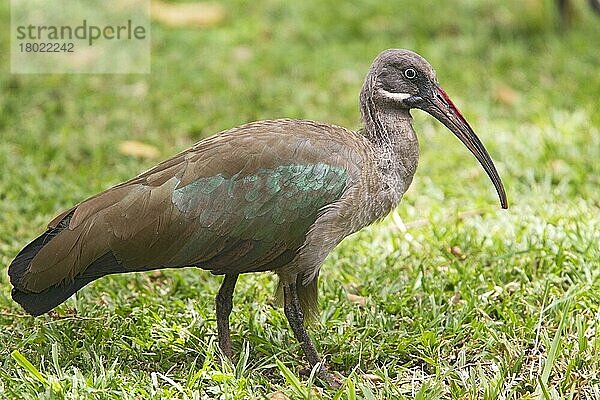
(275, 195)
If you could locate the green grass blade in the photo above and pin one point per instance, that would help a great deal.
(293, 380)
(29, 367)
(553, 353)
(554, 348)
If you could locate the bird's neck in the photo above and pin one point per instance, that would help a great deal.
(395, 145)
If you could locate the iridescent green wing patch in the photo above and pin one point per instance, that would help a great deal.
(253, 219)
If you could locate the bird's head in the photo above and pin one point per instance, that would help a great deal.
(402, 79)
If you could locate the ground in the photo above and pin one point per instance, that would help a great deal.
(450, 297)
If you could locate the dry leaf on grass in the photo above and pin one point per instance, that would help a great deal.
(187, 14)
(373, 378)
(506, 95)
(457, 252)
(134, 148)
(455, 299)
(360, 300)
(279, 396)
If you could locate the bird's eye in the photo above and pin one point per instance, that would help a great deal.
(410, 73)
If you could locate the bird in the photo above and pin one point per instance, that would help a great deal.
(274, 195)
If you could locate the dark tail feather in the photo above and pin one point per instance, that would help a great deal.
(20, 265)
(44, 301)
(40, 303)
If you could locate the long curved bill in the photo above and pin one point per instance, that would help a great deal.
(443, 109)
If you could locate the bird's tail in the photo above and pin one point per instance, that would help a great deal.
(40, 303)
(37, 303)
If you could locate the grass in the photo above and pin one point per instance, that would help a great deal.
(458, 299)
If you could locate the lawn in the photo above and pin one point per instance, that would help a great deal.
(449, 297)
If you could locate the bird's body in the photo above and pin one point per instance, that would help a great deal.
(273, 195)
(266, 196)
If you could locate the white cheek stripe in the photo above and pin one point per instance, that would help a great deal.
(396, 96)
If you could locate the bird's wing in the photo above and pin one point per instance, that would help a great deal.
(236, 202)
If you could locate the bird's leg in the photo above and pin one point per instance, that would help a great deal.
(224, 304)
(293, 312)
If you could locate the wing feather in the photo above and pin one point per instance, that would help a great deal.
(240, 201)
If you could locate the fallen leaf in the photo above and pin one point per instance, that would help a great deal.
(559, 167)
(103, 300)
(134, 148)
(457, 252)
(455, 298)
(279, 396)
(360, 300)
(492, 294)
(373, 378)
(136, 90)
(506, 95)
(512, 286)
(156, 275)
(242, 53)
(187, 14)
(85, 57)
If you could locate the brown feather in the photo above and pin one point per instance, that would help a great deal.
(138, 222)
